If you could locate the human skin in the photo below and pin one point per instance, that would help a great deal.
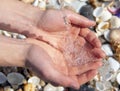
(34, 23)
(30, 53)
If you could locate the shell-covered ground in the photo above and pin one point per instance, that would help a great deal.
(106, 13)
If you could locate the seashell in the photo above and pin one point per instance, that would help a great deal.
(107, 49)
(42, 83)
(28, 1)
(42, 4)
(87, 11)
(60, 89)
(49, 87)
(114, 64)
(100, 86)
(54, 4)
(101, 12)
(15, 79)
(3, 78)
(102, 27)
(74, 5)
(14, 35)
(6, 33)
(8, 89)
(29, 87)
(115, 35)
(34, 80)
(107, 35)
(108, 76)
(118, 78)
(35, 3)
(20, 36)
(114, 22)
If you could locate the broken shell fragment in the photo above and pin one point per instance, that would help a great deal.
(3, 78)
(49, 87)
(107, 49)
(60, 89)
(29, 87)
(34, 80)
(15, 79)
(8, 88)
(107, 35)
(42, 83)
(114, 64)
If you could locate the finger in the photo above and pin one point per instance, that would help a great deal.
(98, 53)
(85, 67)
(87, 76)
(90, 37)
(79, 20)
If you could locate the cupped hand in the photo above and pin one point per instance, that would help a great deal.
(50, 65)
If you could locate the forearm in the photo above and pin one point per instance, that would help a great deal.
(13, 52)
(16, 16)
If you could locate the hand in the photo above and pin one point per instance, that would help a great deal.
(54, 20)
(50, 65)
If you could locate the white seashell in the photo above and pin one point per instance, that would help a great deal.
(101, 12)
(42, 83)
(100, 86)
(6, 34)
(107, 49)
(3, 78)
(36, 2)
(34, 80)
(107, 35)
(15, 79)
(49, 87)
(42, 5)
(108, 76)
(60, 89)
(114, 22)
(114, 64)
(8, 89)
(103, 26)
(118, 78)
(20, 36)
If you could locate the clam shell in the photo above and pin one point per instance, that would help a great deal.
(118, 78)
(107, 49)
(34, 80)
(101, 12)
(49, 87)
(3, 78)
(15, 79)
(115, 35)
(114, 22)
(114, 64)
(100, 86)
